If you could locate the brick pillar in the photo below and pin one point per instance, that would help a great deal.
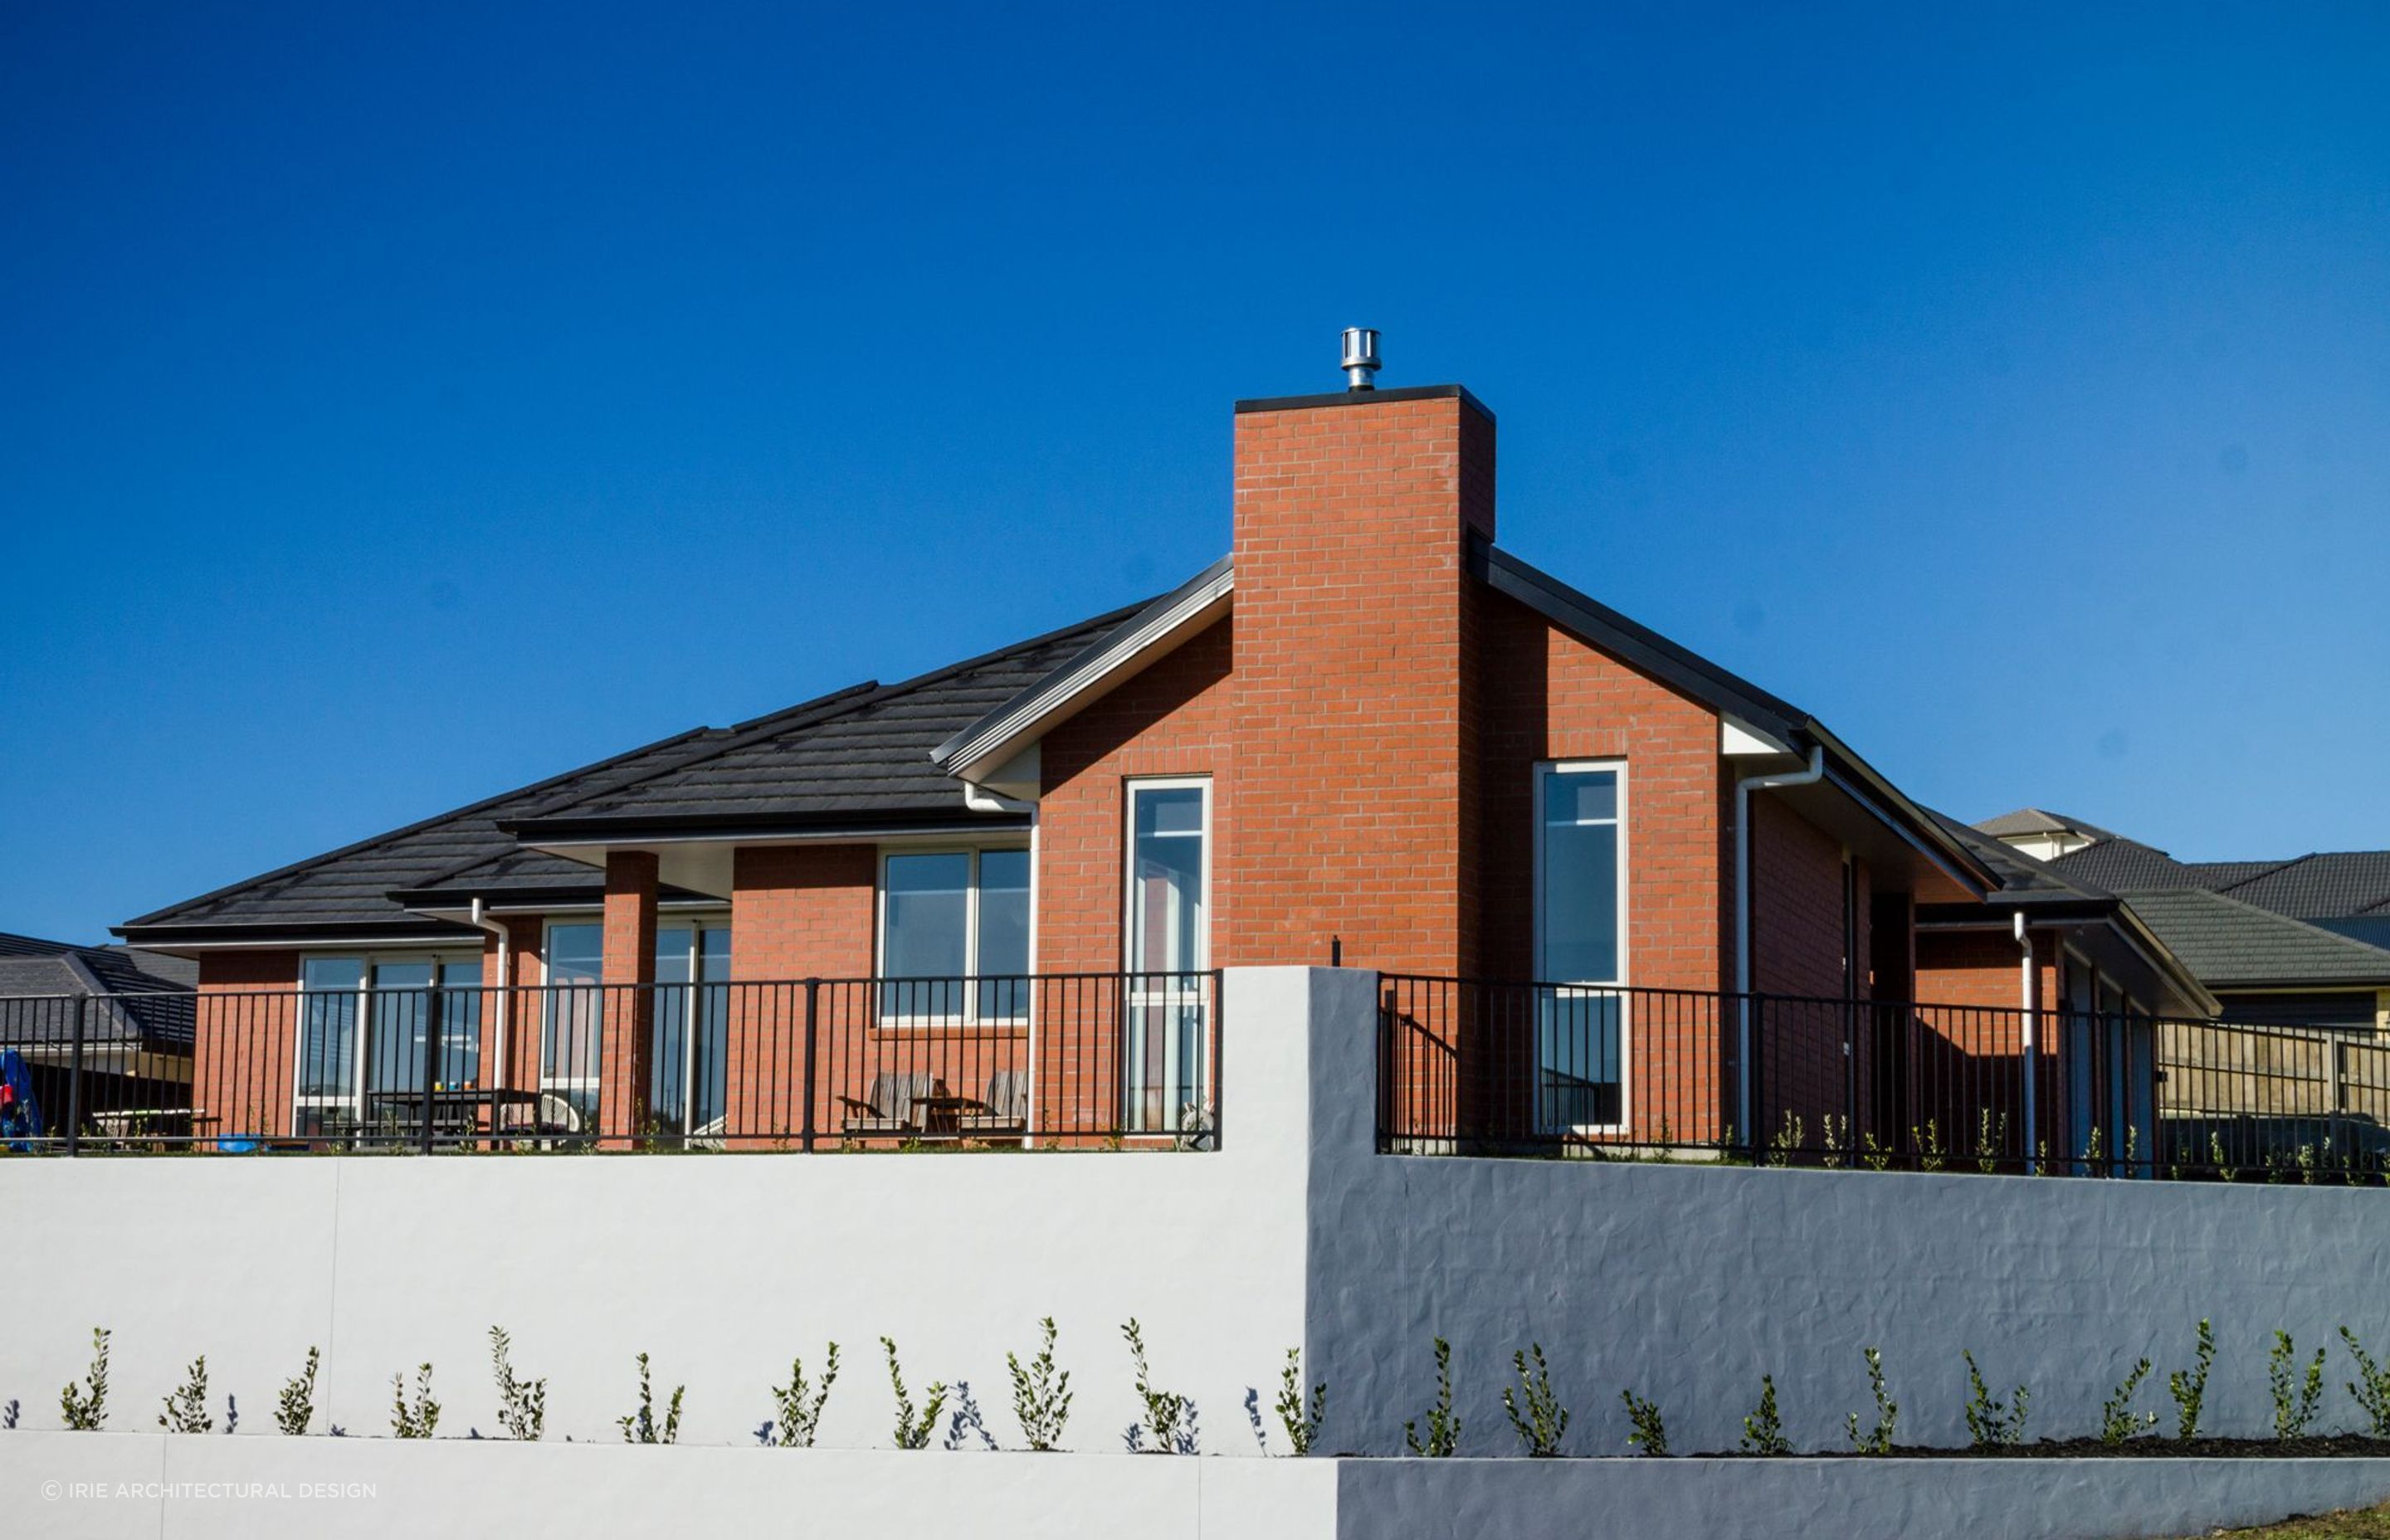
(1355, 679)
(626, 1057)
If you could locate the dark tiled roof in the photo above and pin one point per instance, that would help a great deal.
(2034, 820)
(2333, 884)
(870, 757)
(862, 750)
(2232, 945)
(138, 1000)
(2020, 875)
(349, 885)
(2118, 863)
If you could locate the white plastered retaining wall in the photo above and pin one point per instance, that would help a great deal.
(1686, 1283)
(720, 1267)
(96, 1486)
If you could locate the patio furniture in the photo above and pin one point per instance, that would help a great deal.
(1003, 1112)
(890, 1108)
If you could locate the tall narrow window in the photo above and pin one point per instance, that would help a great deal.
(568, 1036)
(946, 919)
(1168, 944)
(1580, 946)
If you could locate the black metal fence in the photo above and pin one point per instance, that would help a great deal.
(1473, 1067)
(1057, 1060)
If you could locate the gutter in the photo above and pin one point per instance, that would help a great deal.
(1743, 791)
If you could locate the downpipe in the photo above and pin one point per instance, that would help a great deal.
(1745, 1110)
(2025, 1006)
(480, 918)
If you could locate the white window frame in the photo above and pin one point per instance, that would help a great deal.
(1543, 772)
(566, 1086)
(368, 961)
(1144, 992)
(969, 1016)
(696, 922)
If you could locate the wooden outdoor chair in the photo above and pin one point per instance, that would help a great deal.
(888, 1111)
(1005, 1108)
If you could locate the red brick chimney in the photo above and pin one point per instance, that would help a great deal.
(1356, 677)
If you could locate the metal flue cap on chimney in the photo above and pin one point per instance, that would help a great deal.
(1360, 357)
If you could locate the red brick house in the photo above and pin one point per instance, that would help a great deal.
(1369, 732)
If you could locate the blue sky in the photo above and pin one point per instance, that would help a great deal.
(399, 406)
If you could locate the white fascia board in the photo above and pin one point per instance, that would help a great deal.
(1090, 679)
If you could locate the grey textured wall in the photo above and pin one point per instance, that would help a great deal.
(1687, 1283)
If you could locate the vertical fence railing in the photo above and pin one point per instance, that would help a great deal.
(1053, 1061)
(1476, 1067)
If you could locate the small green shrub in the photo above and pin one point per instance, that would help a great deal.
(800, 1404)
(1442, 1428)
(640, 1427)
(1786, 1141)
(419, 1419)
(1992, 1424)
(2295, 1398)
(297, 1409)
(187, 1409)
(1929, 1143)
(2118, 1421)
(1302, 1427)
(1169, 1418)
(1763, 1431)
(1648, 1430)
(2190, 1388)
(1876, 1440)
(522, 1404)
(912, 1432)
(2371, 1389)
(1041, 1394)
(1536, 1414)
(1991, 1141)
(84, 1406)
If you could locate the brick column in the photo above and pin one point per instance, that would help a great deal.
(627, 1055)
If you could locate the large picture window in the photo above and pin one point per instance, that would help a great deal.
(954, 935)
(1580, 945)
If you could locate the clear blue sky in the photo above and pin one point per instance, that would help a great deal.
(397, 406)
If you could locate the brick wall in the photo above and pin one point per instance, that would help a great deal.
(1355, 755)
(247, 1042)
(796, 912)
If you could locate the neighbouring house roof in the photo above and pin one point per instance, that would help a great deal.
(145, 998)
(2234, 944)
(859, 754)
(2117, 863)
(2034, 820)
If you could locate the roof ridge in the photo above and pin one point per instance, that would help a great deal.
(159, 916)
(2273, 868)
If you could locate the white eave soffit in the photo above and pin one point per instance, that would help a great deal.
(1738, 739)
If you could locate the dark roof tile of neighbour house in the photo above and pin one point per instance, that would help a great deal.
(2331, 884)
(858, 752)
(147, 998)
(2023, 879)
(2118, 863)
(2233, 944)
